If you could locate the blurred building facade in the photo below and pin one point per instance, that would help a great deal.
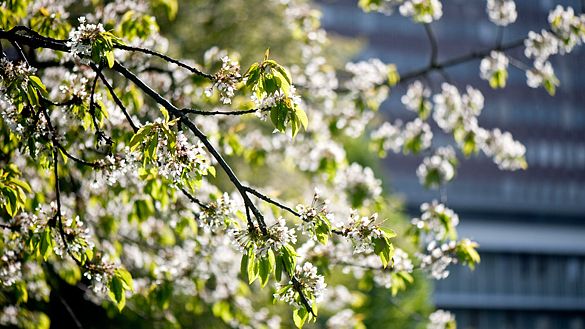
(530, 224)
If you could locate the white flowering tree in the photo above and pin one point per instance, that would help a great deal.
(161, 187)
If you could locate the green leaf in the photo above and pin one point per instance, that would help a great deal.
(152, 147)
(270, 84)
(252, 267)
(165, 113)
(393, 76)
(171, 7)
(384, 249)
(252, 75)
(302, 117)
(289, 256)
(264, 270)
(300, 317)
(139, 137)
(284, 73)
(21, 292)
(126, 278)
(549, 87)
(117, 293)
(388, 233)
(322, 230)
(110, 58)
(244, 266)
(278, 267)
(89, 253)
(46, 244)
(38, 84)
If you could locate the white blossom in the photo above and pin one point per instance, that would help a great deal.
(389, 136)
(507, 153)
(441, 319)
(344, 319)
(541, 45)
(569, 27)
(437, 259)
(418, 134)
(502, 12)
(82, 37)
(225, 80)
(359, 182)
(311, 284)
(422, 11)
(437, 221)
(496, 63)
(362, 230)
(437, 169)
(542, 74)
(416, 99)
(367, 74)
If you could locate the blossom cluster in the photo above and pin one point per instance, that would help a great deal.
(437, 221)
(11, 72)
(115, 169)
(270, 100)
(359, 183)
(367, 74)
(437, 169)
(10, 115)
(225, 80)
(362, 230)
(314, 215)
(493, 67)
(453, 109)
(252, 241)
(507, 152)
(417, 100)
(417, 136)
(437, 259)
(401, 263)
(441, 319)
(567, 30)
(421, 11)
(388, 136)
(217, 213)
(185, 157)
(502, 12)
(310, 282)
(82, 37)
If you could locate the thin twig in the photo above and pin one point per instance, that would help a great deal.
(194, 199)
(9, 227)
(499, 38)
(433, 43)
(272, 201)
(70, 311)
(458, 60)
(240, 112)
(117, 100)
(166, 58)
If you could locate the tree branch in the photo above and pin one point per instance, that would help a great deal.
(218, 157)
